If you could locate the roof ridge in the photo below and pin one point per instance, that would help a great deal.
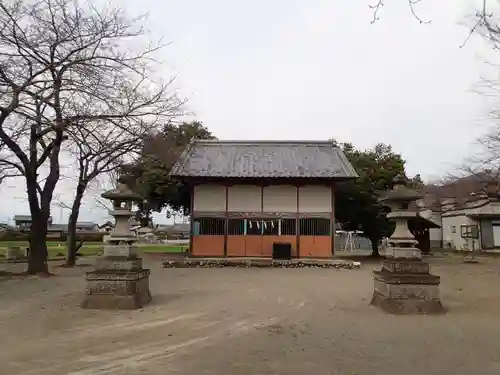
(265, 141)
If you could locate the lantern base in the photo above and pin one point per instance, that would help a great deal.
(405, 286)
(117, 289)
(407, 306)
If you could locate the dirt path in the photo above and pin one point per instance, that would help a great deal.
(251, 321)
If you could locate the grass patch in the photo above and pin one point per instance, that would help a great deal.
(59, 250)
(163, 249)
(50, 244)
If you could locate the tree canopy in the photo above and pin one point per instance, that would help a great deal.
(151, 170)
(356, 202)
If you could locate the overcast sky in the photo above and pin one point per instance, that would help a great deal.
(318, 69)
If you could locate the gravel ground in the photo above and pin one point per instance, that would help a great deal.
(251, 321)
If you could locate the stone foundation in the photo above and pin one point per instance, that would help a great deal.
(405, 286)
(117, 289)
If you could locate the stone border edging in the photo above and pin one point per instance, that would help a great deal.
(258, 263)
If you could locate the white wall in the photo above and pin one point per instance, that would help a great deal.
(277, 198)
(280, 198)
(315, 198)
(455, 239)
(244, 198)
(209, 197)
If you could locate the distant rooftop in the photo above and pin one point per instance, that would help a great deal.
(25, 218)
(263, 159)
(79, 225)
(57, 227)
(85, 224)
(107, 224)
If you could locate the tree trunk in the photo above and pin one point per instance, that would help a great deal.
(38, 253)
(375, 252)
(73, 219)
(71, 243)
(39, 208)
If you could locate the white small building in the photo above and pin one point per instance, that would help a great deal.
(468, 210)
(481, 216)
(467, 225)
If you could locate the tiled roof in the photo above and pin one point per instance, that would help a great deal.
(263, 159)
(488, 210)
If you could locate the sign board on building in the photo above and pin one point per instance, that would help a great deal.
(469, 231)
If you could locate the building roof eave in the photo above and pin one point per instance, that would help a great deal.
(262, 159)
(194, 180)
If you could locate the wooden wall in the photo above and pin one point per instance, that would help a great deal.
(212, 200)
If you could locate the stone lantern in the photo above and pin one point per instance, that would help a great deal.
(404, 284)
(118, 280)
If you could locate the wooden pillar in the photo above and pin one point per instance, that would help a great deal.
(226, 222)
(297, 225)
(191, 221)
(332, 220)
(262, 198)
(262, 223)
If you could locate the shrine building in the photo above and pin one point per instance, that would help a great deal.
(262, 198)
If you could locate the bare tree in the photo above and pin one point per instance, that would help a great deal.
(64, 67)
(482, 170)
(477, 178)
(100, 148)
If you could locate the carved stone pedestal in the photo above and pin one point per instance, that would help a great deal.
(118, 281)
(405, 286)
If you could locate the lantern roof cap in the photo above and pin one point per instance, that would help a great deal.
(400, 192)
(122, 192)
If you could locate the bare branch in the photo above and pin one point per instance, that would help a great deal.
(412, 4)
(376, 7)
